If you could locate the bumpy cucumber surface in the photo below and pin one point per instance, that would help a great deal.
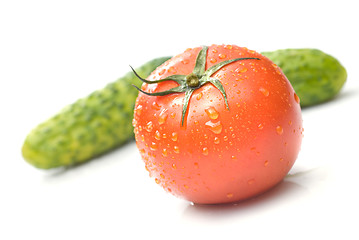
(315, 76)
(89, 127)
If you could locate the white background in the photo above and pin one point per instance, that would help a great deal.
(54, 52)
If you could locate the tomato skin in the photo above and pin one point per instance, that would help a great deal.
(220, 155)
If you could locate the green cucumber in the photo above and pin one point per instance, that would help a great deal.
(315, 76)
(89, 127)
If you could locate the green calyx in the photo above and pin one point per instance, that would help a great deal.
(196, 79)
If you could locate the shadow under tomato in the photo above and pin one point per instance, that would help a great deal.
(275, 196)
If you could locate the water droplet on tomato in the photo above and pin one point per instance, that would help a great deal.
(176, 149)
(296, 98)
(205, 151)
(216, 140)
(228, 46)
(279, 130)
(174, 167)
(251, 181)
(199, 96)
(156, 106)
(266, 163)
(157, 135)
(174, 136)
(153, 146)
(264, 91)
(162, 71)
(213, 60)
(229, 195)
(162, 117)
(138, 110)
(196, 165)
(260, 126)
(214, 127)
(134, 123)
(157, 180)
(172, 70)
(222, 56)
(212, 112)
(164, 152)
(225, 138)
(185, 61)
(149, 126)
(241, 70)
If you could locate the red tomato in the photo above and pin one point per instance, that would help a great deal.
(219, 153)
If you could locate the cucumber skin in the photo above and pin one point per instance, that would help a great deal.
(90, 126)
(315, 76)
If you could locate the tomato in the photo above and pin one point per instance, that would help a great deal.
(227, 139)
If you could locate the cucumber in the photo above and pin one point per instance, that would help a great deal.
(89, 127)
(103, 120)
(315, 76)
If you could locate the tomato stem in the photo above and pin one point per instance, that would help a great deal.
(192, 80)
